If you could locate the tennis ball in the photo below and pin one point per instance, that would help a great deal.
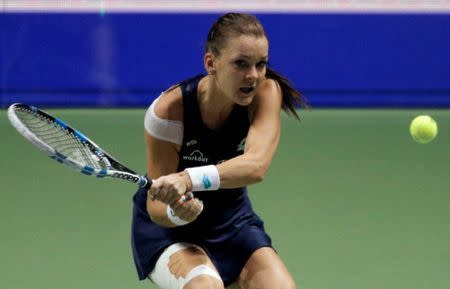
(423, 129)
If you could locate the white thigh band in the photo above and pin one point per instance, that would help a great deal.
(200, 270)
(164, 279)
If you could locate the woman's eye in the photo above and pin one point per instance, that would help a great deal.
(241, 63)
(261, 64)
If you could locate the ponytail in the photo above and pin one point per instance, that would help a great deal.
(292, 98)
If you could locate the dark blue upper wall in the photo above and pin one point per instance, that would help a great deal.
(126, 59)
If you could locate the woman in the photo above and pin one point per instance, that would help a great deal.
(213, 135)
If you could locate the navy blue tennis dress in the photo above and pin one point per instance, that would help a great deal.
(228, 229)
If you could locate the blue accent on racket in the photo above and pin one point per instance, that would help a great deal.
(81, 136)
(87, 170)
(60, 123)
(102, 173)
(59, 157)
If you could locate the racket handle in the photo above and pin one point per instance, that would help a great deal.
(144, 182)
(188, 196)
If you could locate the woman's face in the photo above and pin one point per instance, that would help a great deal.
(241, 67)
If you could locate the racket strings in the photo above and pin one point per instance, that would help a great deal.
(63, 141)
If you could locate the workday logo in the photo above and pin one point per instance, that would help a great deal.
(196, 156)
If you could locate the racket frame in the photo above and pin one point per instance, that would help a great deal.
(122, 172)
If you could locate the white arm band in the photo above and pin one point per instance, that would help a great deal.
(163, 129)
(204, 178)
(174, 218)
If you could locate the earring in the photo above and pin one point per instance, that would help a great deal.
(211, 71)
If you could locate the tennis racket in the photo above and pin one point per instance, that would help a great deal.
(68, 146)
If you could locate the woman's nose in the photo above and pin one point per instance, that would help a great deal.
(252, 74)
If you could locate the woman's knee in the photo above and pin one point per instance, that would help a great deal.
(265, 270)
(204, 282)
(270, 280)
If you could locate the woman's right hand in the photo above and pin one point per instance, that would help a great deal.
(170, 188)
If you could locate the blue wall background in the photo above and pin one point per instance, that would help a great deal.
(337, 60)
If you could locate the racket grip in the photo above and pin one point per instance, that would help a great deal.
(188, 196)
(144, 182)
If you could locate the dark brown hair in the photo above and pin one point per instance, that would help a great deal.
(236, 24)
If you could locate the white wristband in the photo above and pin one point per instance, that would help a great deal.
(174, 218)
(204, 178)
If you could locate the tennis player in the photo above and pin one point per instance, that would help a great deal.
(213, 135)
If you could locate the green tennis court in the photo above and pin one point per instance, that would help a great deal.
(350, 201)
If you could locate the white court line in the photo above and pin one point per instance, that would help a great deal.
(208, 6)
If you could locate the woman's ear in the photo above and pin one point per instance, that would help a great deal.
(209, 62)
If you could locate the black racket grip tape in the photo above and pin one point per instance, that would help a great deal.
(145, 183)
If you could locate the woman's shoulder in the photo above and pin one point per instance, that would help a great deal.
(269, 85)
(269, 90)
(268, 97)
(169, 104)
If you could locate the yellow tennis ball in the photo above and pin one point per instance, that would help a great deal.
(423, 129)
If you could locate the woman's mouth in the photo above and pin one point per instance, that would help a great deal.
(246, 90)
